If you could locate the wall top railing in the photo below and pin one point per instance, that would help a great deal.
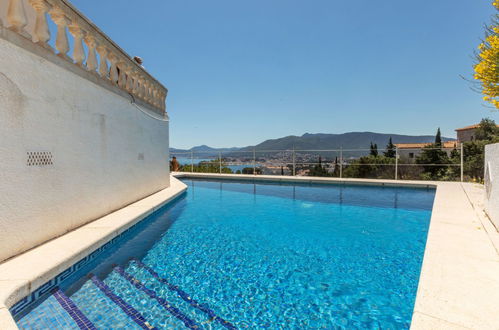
(122, 71)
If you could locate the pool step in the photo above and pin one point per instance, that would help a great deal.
(149, 308)
(136, 297)
(152, 279)
(100, 309)
(129, 310)
(48, 315)
(188, 322)
(76, 314)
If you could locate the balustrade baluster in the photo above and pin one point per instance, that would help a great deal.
(156, 97)
(16, 16)
(78, 50)
(92, 56)
(151, 96)
(144, 90)
(152, 99)
(160, 97)
(141, 88)
(158, 101)
(61, 41)
(41, 32)
(135, 88)
(121, 74)
(147, 92)
(103, 68)
(129, 80)
(113, 73)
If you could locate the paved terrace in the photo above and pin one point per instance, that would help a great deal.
(458, 288)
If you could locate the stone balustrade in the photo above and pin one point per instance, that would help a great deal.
(101, 56)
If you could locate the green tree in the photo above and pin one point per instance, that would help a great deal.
(318, 169)
(212, 166)
(474, 157)
(374, 167)
(431, 156)
(438, 139)
(474, 151)
(373, 150)
(487, 130)
(250, 170)
(390, 149)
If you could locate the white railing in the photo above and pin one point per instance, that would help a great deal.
(335, 162)
(102, 56)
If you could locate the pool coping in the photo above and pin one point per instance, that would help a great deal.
(458, 286)
(23, 274)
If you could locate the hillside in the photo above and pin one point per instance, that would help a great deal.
(351, 140)
(320, 141)
(204, 149)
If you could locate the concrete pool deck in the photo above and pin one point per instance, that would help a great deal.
(459, 282)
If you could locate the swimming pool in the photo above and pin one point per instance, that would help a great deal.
(231, 254)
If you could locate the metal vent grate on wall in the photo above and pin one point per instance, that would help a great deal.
(39, 158)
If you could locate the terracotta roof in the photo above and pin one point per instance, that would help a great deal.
(469, 127)
(448, 144)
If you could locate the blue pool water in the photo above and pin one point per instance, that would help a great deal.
(258, 256)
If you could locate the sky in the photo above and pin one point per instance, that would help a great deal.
(240, 72)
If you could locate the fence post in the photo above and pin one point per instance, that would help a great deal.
(192, 161)
(294, 162)
(462, 162)
(220, 160)
(396, 162)
(341, 162)
(254, 162)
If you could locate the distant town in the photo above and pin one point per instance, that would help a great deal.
(354, 154)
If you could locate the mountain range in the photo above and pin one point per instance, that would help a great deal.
(319, 141)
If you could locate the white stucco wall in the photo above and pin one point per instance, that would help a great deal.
(492, 182)
(106, 153)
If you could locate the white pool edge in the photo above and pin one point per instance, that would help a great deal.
(458, 287)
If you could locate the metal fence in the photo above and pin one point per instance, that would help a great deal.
(426, 163)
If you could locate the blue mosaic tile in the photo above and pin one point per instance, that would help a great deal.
(30, 300)
(48, 315)
(194, 303)
(101, 310)
(81, 320)
(129, 310)
(166, 305)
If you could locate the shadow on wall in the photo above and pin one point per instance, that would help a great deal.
(13, 99)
